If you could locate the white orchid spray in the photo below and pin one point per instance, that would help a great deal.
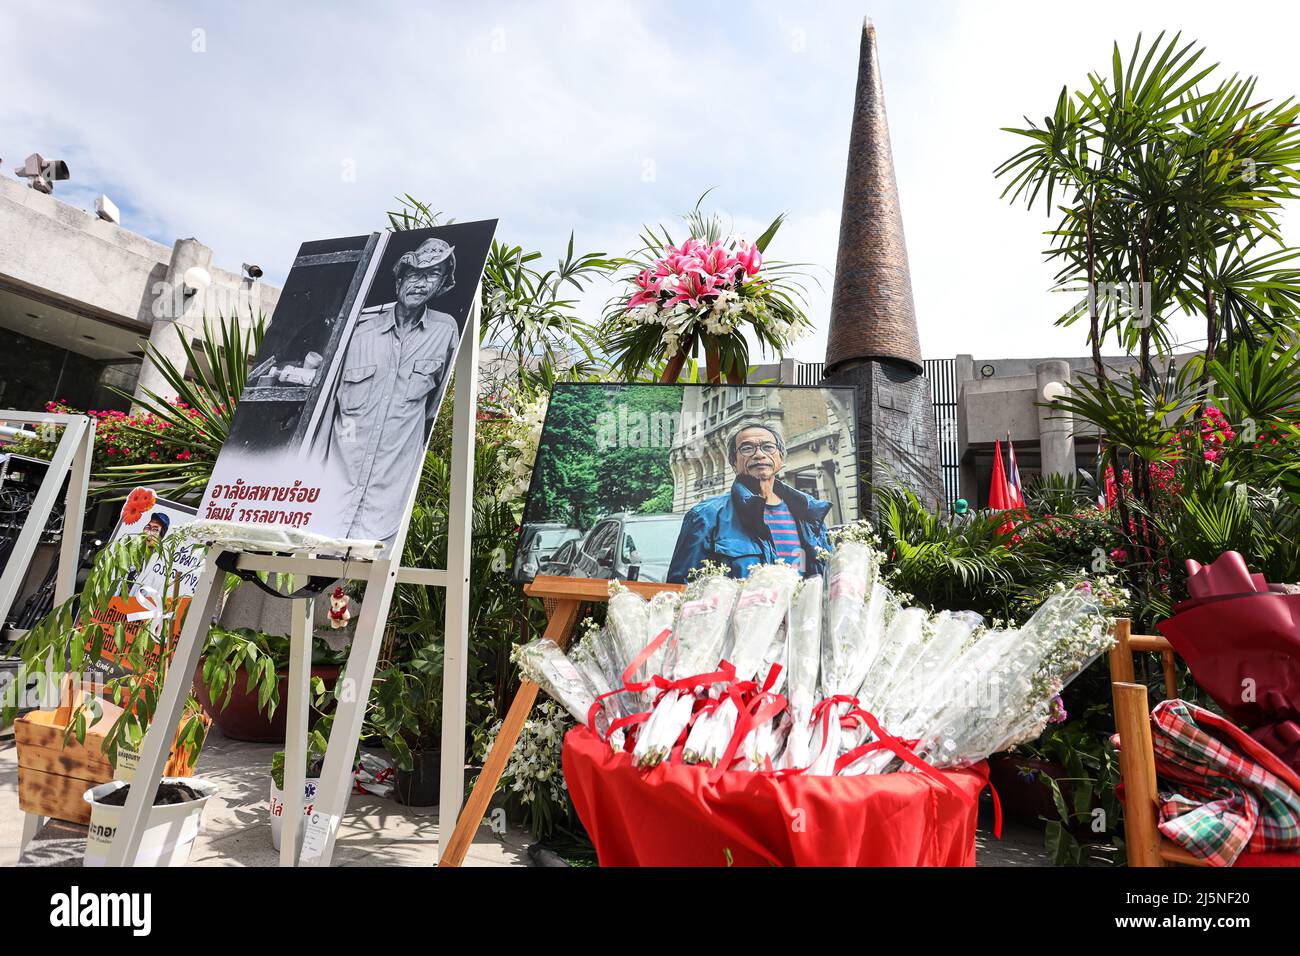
(535, 770)
(518, 448)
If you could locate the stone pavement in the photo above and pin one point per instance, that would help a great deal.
(375, 832)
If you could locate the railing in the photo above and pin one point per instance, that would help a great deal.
(942, 376)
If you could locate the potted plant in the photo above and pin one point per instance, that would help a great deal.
(89, 634)
(173, 825)
(243, 677)
(406, 713)
(311, 785)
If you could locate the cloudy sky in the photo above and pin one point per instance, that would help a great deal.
(254, 126)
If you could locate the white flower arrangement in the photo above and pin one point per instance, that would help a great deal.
(518, 449)
(535, 769)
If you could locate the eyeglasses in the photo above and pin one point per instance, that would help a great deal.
(748, 448)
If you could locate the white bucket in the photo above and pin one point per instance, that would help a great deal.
(310, 788)
(169, 831)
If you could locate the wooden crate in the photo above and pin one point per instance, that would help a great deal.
(53, 777)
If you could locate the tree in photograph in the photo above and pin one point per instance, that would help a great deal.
(634, 467)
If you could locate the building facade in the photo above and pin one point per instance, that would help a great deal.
(79, 295)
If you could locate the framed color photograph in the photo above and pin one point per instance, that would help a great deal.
(647, 482)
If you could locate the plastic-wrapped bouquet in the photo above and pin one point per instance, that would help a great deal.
(821, 676)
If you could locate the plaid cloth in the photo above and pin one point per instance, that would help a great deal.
(1229, 795)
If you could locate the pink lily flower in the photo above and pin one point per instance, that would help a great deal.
(693, 287)
(749, 257)
(650, 288)
(718, 261)
(693, 247)
(674, 264)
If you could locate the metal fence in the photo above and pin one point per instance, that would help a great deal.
(942, 376)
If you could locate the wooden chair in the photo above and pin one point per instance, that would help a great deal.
(1137, 760)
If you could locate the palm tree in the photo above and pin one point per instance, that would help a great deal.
(1167, 189)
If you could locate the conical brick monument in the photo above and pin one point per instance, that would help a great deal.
(873, 343)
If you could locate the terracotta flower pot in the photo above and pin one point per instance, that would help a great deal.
(240, 719)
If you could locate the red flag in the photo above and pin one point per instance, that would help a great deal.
(1013, 480)
(1000, 494)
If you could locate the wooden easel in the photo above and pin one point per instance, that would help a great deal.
(381, 576)
(563, 599)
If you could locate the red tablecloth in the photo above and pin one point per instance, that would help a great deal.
(672, 815)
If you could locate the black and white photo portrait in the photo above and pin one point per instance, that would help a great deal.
(344, 392)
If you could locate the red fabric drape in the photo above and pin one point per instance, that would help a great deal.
(1244, 651)
(673, 816)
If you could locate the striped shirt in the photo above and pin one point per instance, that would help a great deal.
(785, 534)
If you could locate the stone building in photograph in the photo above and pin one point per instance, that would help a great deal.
(817, 427)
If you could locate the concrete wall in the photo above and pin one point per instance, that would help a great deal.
(69, 258)
(76, 257)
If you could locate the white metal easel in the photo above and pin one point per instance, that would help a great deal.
(71, 458)
(381, 577)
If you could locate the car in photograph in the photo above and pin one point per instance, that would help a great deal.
(537, 543)
(628, 546)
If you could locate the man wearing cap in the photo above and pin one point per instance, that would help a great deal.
(761, 520)
(388, 390)
(156, 527)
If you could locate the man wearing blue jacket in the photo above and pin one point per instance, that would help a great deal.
(761, 520)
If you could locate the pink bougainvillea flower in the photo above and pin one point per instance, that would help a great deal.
(749, 257)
